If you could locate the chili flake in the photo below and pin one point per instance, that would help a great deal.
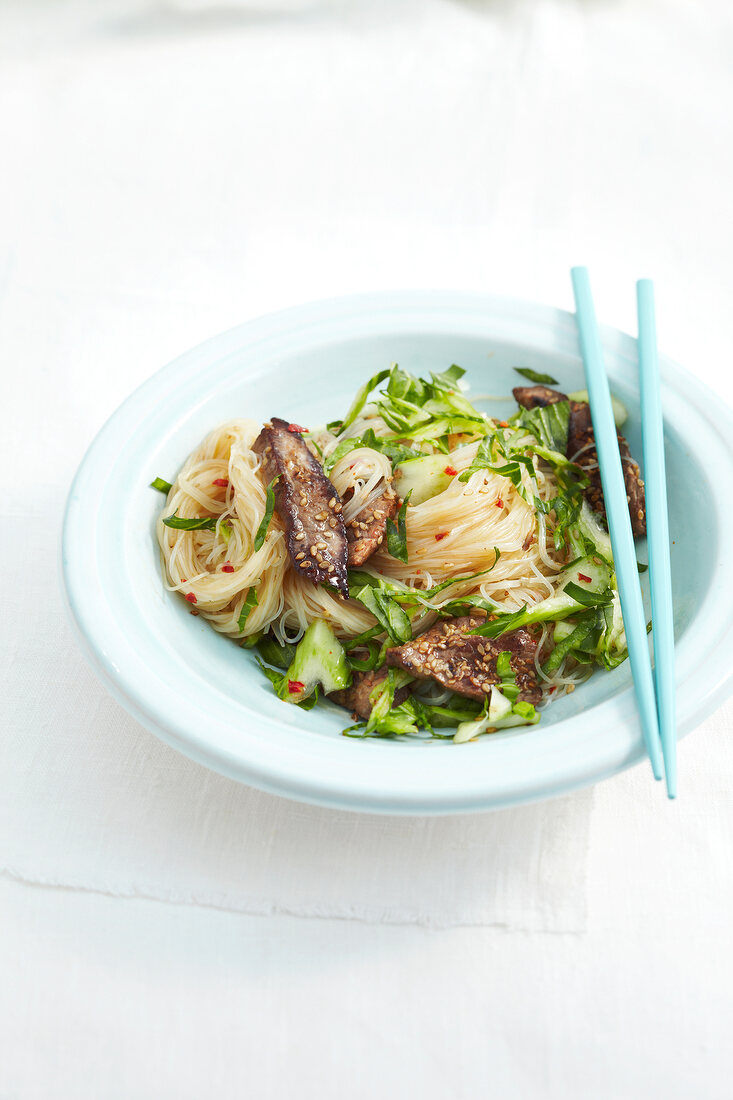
(295, 686)
(499, 502)
(582, 577)
(227, 567)
(223, 481)
(296, 428)
(191, 598)
(441, 536)
(451, 471)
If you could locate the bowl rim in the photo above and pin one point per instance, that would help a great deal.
(320, 773)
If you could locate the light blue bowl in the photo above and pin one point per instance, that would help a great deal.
(205, 696)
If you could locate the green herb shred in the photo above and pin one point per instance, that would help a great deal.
(250, 602)
(397, 532)
(269, 509)
(536, 376)
(200, 523)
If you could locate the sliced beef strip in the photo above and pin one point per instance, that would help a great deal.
(367, 529)
(466, 663)
(356, 697)
(580, 436)
(535, 397)
(307, 503)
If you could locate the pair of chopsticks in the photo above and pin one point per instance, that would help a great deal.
(656, 708)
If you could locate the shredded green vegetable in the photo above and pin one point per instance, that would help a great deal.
(269, 509)
(536, 376)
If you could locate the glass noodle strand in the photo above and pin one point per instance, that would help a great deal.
(455, 533)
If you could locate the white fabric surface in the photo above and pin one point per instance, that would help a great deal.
(169, 170)
(90, 800)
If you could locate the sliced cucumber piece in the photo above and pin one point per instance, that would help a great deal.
(425, 477)
(592, 528)
(319, 659)
(500, 715)
(592, 574)
(515, 720)
(468, 730)
(499, 706)
(563, 629)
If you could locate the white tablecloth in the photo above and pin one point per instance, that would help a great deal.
(169, 170)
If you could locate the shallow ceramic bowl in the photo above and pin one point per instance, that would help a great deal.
(205, 695)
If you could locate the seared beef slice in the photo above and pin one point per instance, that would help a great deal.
(367, 529)
(307, 503)
(466, 663)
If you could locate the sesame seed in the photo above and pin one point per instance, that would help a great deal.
(331, 568)
(332, 523)
(332, 502)
(320, 546)
(306, 564)
(313, 550)
(300, 536)
(337, 508)
(299, 557)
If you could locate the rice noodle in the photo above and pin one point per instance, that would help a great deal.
(481, 526)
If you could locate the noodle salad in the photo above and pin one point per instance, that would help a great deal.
(435, 571)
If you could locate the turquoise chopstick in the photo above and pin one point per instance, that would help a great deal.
(617, 512)
(657, 523)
